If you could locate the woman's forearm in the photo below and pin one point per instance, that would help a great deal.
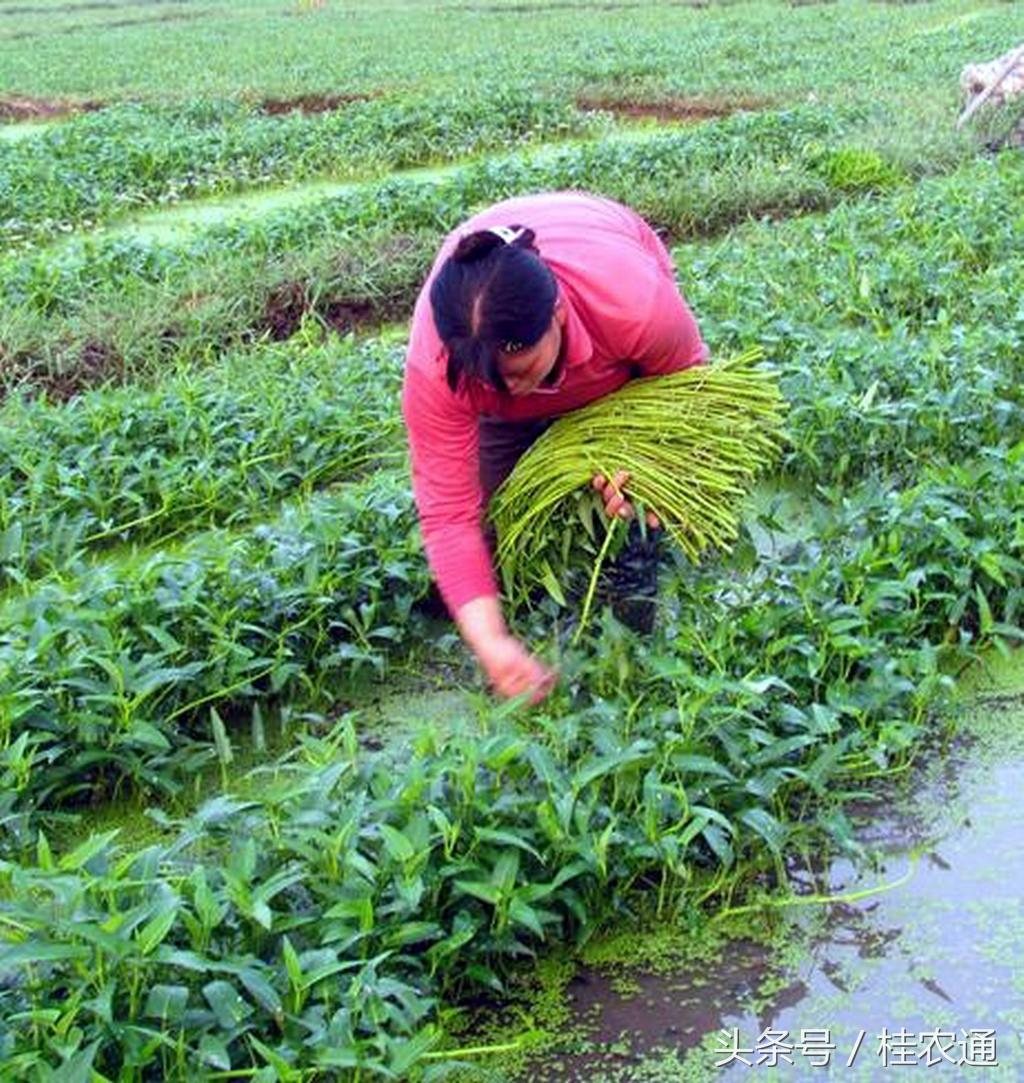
(510, 667)
(480, 621)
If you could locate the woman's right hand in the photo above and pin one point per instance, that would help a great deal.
(513, 670)
(616, 505)
(510, 667)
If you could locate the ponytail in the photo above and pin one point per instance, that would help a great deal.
(494, 294)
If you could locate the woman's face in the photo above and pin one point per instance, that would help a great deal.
(526, 370)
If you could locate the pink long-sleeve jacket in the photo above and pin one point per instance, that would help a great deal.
(625, 315)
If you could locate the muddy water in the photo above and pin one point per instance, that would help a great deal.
(914, 978)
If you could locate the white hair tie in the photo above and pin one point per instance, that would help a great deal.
(506, 233)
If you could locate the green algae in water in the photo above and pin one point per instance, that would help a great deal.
(897, 942)
(15, 133)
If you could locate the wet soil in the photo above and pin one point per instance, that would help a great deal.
(98, 364)
(289, 303)
(95, 363)
(310, 103)
(652, 1011)
(671, 109)
(20, 108)
(595, 5)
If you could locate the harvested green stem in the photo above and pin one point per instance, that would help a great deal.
(598, 564)
(692, 442)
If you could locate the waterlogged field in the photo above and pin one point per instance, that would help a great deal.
(258, 818)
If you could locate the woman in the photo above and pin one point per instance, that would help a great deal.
(533, 308)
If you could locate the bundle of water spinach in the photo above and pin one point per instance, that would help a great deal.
(692, 443)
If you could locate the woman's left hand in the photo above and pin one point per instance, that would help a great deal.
(615, 502)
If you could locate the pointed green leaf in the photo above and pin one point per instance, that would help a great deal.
(166, 1002)
(481, 890)
(84, 853)
(399, 848)
(154, 931)
(406, 1055)
(228, 1005)
(213, 1052)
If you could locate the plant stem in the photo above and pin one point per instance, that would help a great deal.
(592, 587)
(810, 900)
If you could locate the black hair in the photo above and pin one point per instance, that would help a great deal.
(491, 295)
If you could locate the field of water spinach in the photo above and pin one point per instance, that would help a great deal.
(216, 861)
